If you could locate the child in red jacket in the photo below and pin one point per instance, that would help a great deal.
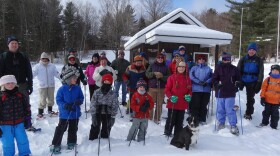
(178, 91)
(141, 104)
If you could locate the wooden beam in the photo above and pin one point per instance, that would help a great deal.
(216, 54)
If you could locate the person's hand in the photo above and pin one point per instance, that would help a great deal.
(28, 122)
(145, 106)
(68, 107)
(258, 87)
(158, 75)
(218, 86)
(239, 85)
(104, 71)
(263, 101)
(29, 90)
(202, 83)
(78, 102)
(174, 99)
(188, 97)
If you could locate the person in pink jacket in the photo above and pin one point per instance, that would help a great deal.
(178, 91)
(89, 72)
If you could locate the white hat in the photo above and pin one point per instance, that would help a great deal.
(7, 79)
(45, 55)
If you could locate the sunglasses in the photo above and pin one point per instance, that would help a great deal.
(160, 58)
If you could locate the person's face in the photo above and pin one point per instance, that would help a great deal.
(72, 60)
(121, 55)
(107, 82)
(160, 59)
(182, 52)
(201, 60)
(251, 52)
(45, 60)
(274, 71)
(138, 63)
(103, 62)
(94, 59)
(181, 69)
(73, 80)
(141, 88)
(13, 46)
(9, 86)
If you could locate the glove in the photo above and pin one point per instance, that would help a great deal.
(68, 107)
(188, 97)
(94, 120)
(78, 102)
(202, 83)
(239, 85)
(144, 107)
(104, 71)
(84, 82)
(29, 90)
(27, 121)
(112, 121)
(263, 101)
(174, 99)
(258, 87)
(158, 75)
(1, 133)
(218, 86)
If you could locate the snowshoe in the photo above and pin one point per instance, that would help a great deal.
(53, 114)
(202, 123)
(55, 149)
(33, 129)
(235, 107)
(221, 126)
(234, 130)
(71, 146)
(40, 117)
(261, 125)
(248, 117)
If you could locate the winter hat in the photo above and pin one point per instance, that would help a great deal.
(252, 45)
(69, 72)
(201, 56)
(7, 79)
(107, 77)
(176, 52)
(103, 58)
(226, 56)
(103, 53)
(11, 38)
(137, 58)
(71, 56)
(181, 47)
(275, 67)
(95, 55)
(140, 83)
(72, 50)
(44, 55)
(144, 55)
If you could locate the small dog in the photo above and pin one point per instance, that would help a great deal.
(188, 135)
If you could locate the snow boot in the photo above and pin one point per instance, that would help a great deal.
(247, 116)
(234, 130)
(261, 125)
(71, 146)
(55, 149)
(52, 113)
(40, 114)
(221, 126)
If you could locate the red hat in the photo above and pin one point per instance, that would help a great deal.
(103, 58)
(201, 56)
(107, 77)
(138, 58)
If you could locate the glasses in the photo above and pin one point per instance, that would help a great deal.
(160, 58)
(182, 66)
(177, 56)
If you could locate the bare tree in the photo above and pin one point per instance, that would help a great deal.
(156, 8)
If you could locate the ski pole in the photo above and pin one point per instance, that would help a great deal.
(132, 136)
(145, 125)
(85, 90)
(212, 102)
(170, 122)
(157, 107)
(99, 135)
(108, 132)
(217, 110)
(240, 112)
(120, 111)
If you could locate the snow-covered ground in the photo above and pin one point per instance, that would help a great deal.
(254, 141)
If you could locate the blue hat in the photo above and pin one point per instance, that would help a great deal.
(226, 56)
(143, 54)
(11, 38)
(176, 52)
(252, 45)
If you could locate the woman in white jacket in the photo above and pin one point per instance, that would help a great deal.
(45, 72)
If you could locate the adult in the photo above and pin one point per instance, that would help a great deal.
(176, 59)
(178, 90)
(45, 72)
(72, 51)
(93, 64)
(103, 54)
(182, 53)
(119, 65)
(157, 73)
(226, 78)
(251, 68)
(201, 76)
(72, 64)
(102, 70)
(145, 59)
(14, 62)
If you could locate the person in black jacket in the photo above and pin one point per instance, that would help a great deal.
(14, 62)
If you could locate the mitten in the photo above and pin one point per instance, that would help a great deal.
(174, 99)
(188, 97)
(68, 107)
(144, 107)
(104, 71)
(239, 85)
(29, 90)
(218, 86)
(258, 87)
(202, 83)
(263, 101)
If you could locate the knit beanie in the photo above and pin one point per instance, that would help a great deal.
(140, 83)
(275, 67)
(107, 77)
(226, 56)
(144, 55)
(182, 47)
(201, 56)
(95, 55)
(138, 58)
(11, 38)
(7, 79)
(68, 73)
(252, 45)
(44, 55)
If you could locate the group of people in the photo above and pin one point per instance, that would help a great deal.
(180, 83)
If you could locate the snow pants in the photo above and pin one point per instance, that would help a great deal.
(225, 108)
(198, 105)
(72, 125)
(250, 92)
(104, 120)
(139, 126)
(11, 132)
(273, 111)
(46, 97)
(174, 119)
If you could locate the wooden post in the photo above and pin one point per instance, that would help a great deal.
(216, 54)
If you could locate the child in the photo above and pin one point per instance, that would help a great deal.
(178, 90)
(103, 108)
(14, 110)
(69, 98)
(270, 98)
(141, 104)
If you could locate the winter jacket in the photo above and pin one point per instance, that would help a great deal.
(137, 101)
(178, 85)
(89, 72)
(201, 73)
(172, 67)
(271, 90)
(99, 100)
(69, 94)
(45, 74)
(98, 78)
(82, 77)
(16, 64)
(227, 74)
(14, 107)
(251, 69)
(132, 75)
(120, 65)
(157, 67)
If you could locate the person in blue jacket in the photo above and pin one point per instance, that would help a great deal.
(201, 77)
(14, 110)
(69, 98)
(251, 69)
